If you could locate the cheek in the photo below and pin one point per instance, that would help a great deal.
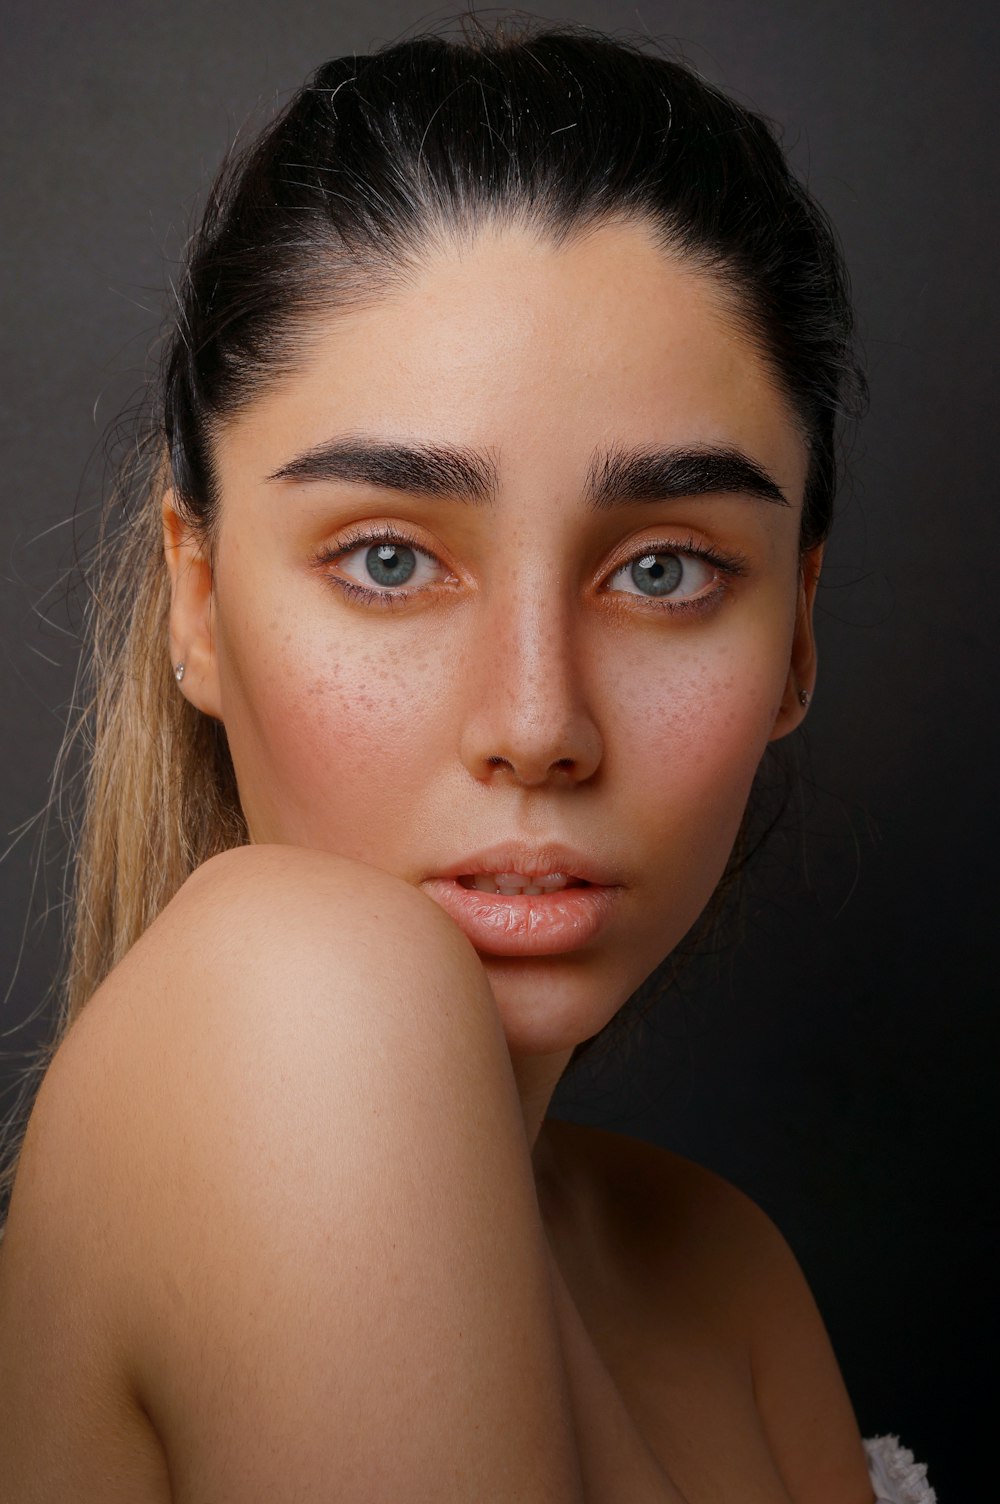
(319, 726)
(692, 738)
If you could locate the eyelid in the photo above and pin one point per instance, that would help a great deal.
(376, 532)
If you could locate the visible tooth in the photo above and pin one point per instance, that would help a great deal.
(510, 884)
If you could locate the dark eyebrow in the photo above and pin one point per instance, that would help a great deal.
(623, 476)
(429, 469)
(617, 477)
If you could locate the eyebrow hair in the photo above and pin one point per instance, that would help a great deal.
(624, 475)
(430, 469)
(619, 476)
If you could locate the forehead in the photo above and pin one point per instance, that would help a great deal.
(538, 352)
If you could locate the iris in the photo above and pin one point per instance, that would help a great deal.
(390, 564)
(657, 574)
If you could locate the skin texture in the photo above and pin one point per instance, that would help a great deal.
(277, 1230)
(525, 689)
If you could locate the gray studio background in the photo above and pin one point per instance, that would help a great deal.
(840, 1067)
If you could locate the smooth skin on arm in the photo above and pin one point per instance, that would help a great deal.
(279, 1178)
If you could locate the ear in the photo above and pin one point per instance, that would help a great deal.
(802, 664)
(192, 609)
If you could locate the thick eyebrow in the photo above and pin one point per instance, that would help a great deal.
(617, 477)
(623, 476)
(429, 469)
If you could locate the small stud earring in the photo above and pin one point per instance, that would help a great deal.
(179, 672)
(803, 698)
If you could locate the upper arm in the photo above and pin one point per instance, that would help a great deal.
(66, 1406)
(261, 1149)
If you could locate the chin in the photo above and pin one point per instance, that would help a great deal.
(550, 1004)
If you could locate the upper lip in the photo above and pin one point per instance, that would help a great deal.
(531, 860)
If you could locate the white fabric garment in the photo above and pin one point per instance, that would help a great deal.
(896, 1477)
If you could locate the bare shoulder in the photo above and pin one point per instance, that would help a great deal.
(225, 1181)
(179, 1036)
(253, 965)
(694, 1241)
(249, 924)
(684, 1232)
(269, 897)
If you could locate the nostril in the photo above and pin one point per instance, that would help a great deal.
(536, 773)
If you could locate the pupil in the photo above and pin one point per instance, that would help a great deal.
(657, 574)
(390, 563)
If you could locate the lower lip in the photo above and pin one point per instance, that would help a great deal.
(524, 924)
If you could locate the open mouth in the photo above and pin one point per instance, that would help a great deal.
(512, 884)
(523, 914)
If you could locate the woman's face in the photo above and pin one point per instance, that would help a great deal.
(565, 652)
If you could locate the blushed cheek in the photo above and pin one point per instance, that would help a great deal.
(322, 735)
(706, 726)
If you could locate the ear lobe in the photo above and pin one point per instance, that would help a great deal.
(192, 607)
(802, 664)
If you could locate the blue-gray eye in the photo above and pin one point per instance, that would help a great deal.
(390, 563)
(657, 574)
(383, 563)
(664, 572)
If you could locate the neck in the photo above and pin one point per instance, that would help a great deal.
(536, 1078)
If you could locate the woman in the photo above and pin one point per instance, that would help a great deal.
(470, 575)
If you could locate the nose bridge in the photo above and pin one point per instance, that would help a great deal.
(533, 635)
(531, 710)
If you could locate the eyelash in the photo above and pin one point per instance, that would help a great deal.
(730, 566)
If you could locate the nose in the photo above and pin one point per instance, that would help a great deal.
(529, 719)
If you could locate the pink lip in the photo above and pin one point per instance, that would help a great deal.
(534, 861)
(524, 924)
(528, 924)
